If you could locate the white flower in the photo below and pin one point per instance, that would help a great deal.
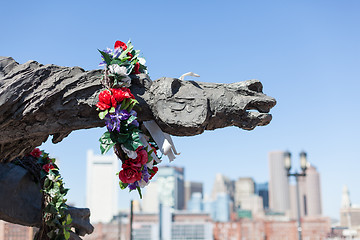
(52, 192)
(142, 61)
(131, 154)
(116, 69)
(121, 71)
(51, 177)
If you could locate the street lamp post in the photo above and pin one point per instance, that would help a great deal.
(303, 165)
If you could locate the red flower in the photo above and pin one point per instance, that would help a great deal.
(133, 162)
(47, 167)
(140, 160)
(120, 44)
(136, 68)
(129, 174)
(106, 100)
(155, 170)
(130, 55)
(121, 93)
(142, 155)
(36, 153)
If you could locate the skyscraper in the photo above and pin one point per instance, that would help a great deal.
(150, 202)
(309, 194)
(222, 184)
(190, 188)
(244, 188)
(279, 198)
(166, 188)
(313, 192)
(102, 186)
(222, 207)
(262, 189)
(195, 204)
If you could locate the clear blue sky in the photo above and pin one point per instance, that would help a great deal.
(306, 54)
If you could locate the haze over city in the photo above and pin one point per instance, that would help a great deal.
(306, 54)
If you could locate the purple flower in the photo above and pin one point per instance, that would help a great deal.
(111, 123)
(113, 120)
(117, 52)
(135, 122)
(134, 185)
(108, 51)
(145, 174)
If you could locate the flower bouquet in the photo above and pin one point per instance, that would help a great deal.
(135, 148)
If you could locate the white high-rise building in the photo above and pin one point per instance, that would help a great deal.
(313, 192)
(166, 188)
(102, 186)
(190, 188)
(279, 197)
(150, 202)
(309, 194)
(222, 184)
(244, 188)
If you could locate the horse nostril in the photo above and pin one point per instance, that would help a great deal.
(255, 86)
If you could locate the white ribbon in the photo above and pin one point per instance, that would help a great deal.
(189, 74)
(163, 140)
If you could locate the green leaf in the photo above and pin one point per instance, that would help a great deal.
(124, 53)
(116, 61)
(142, 68)
(106, 57)
(105, 142)
(112, 110)
(134, 141)
(68, 219)
(103, 114)
(130, 119)
(133, 102)
(105, 138)
(122, 137)
(139, 191)
(130, 68)
(125, 103)
(104, 148)
(66, 234)
(123, 185)
(47, 183)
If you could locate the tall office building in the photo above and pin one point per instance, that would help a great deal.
(166, 188)
(223, 184)
(262, 189)
(244, 188)
(309, 195)
(150, 201)
(170, 182)
(190, 188)
(302, 198)
(102, 186)
(313, 192)
(222, 207)
(195, 204)
(279, 197)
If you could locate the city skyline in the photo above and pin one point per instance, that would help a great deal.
(306, 54)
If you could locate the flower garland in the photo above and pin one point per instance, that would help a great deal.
(56, 223)
(136, 150)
